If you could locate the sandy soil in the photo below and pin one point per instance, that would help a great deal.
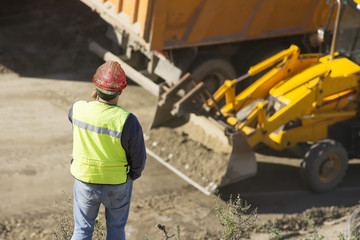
(45, 66)
(198, 162)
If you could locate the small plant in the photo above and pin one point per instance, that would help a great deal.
(166, 233)
(65, 224)
(178, 232)
(355, 235)
(99, 230)
(315, 235)
(237, 223)
(274, 233)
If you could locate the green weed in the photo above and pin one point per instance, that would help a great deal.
(65, 223)
(236, 220)
(274, 233)
(314, 235)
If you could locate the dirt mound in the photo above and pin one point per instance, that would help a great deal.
(201, 164)
(193, 216)
(35, 227)
(305, 221)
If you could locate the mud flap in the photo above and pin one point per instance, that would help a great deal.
(242, 163)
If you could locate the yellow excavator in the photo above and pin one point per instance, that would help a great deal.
(303, 104)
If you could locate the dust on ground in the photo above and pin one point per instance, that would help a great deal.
(44, 67)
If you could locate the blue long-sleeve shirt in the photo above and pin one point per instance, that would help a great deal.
(132, 140)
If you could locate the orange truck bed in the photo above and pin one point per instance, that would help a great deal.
(167, 24)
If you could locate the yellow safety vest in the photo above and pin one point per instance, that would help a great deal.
(97, 151)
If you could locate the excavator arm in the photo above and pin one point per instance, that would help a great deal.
(305, 104)
(227, 90)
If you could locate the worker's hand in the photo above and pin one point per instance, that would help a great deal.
(93, 94)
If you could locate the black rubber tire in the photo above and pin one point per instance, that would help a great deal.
(212, 70)
(324, 165)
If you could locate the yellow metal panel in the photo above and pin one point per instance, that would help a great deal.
(343, 67)
(314, 130)
(299, 80)
(289, 139)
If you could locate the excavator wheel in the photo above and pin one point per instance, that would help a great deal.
(325, 165)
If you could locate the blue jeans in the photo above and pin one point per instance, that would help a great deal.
(87, 200)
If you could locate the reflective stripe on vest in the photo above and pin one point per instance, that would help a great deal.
(97, 151)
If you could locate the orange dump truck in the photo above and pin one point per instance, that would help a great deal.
(161, 40)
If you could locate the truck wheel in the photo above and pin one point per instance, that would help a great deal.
(213, 71)
(325, 165)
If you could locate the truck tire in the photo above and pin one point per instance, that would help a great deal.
(324, 165)
(212, 70)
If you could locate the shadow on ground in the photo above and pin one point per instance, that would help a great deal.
(280, 189)
(49, 38)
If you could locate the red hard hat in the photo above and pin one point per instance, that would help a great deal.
(110, 77)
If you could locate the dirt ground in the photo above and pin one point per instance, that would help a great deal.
(44, 67)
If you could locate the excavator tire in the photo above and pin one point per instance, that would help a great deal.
(325, 165)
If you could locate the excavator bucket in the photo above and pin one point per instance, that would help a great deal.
(242, 162)
(172, 106)
(200, 152)
(218, 158)
(163, 110)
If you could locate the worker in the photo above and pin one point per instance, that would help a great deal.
(108, 155)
